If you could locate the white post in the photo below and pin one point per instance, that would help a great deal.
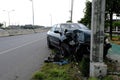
(72, 1)
(116, 28)
(97, 37)
(32, 11)
(8, 12)
(50, 19)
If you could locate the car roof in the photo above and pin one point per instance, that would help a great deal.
(70, 23)
(81, 26)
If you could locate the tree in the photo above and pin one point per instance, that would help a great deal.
(116, 23)
(87, 14)
(112, 6)
(1, 25)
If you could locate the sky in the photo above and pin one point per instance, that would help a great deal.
(46, 12)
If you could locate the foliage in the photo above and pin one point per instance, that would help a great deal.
(52, 71)
(116, 23)
(107, 23)
(1, 25)
(87, 14)
(112, 6)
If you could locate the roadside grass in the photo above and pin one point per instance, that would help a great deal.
(105, 78)
(117, 36)
(51, 71)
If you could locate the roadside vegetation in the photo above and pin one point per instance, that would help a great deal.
(73, 71)
(51, 71)
(111, 9)
(116, 40)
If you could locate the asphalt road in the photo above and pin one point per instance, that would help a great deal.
(21, 56)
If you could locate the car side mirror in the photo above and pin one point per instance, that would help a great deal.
(56, 32)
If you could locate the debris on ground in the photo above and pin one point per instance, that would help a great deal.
(56, 59)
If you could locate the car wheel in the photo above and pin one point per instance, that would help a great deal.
(49, 43)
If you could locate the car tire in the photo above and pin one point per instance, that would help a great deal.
(49, 43)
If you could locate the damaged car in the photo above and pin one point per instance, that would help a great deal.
(70, 39)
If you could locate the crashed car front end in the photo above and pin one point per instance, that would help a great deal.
(79, 43)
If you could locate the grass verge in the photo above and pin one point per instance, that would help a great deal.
(51, 71)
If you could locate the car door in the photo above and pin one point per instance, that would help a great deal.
(51, 34)
(57, 36)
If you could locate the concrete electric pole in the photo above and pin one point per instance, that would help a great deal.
(32, 12)
(71, 18)
(97, 66)
(8, 12)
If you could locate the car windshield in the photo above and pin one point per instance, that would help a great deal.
(73, 26)
(82, 26)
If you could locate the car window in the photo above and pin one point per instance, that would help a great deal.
(70, 26)
(82, 26)
(53, 28)
(58, 28)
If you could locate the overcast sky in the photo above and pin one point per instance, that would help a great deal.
(45, 10)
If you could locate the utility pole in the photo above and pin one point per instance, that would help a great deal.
(71, 18)
(8, 12)
(33, 15)
(97, 66)
(50, 19)
(32, 11)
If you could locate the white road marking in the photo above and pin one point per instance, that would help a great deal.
(20, 46)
